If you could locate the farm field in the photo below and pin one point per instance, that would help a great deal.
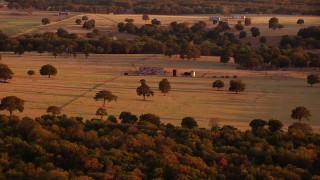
(267, 96)
(107, 24)
(14, 22)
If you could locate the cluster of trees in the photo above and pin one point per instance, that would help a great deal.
(235, 85)
(59, 147)
(172, 7)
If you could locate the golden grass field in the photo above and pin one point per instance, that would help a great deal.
(265, 97)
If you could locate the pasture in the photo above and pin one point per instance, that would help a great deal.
(268, 95)
(107, 24)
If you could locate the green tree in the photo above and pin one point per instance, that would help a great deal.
(312, 79)
(5, 72)
(255, 31)
(300, 21)
(45, 21)
(12, 103)
(239, 27)
(48, 70)
(242, 34)
(54, 110)
(218, 84)
(237, 86)
(247, 21)
(144, 90)
(105, 95)
(189, 122)
(31, 73)
(127, 117)
(274, 125)
(84, 18)
(145, 17)
(101, 112)
(164, 86)
(224, 59)
(273, 23)
(299, 113)
(257, 124)
(263, 40)
(152, 118)
(78, 21)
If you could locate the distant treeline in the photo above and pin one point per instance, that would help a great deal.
(174, 7)
(187, 42)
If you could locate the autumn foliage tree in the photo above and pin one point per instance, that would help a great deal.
(54, 110)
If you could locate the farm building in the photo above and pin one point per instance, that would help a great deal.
(214, 18)
(63, 13)
(152, 70)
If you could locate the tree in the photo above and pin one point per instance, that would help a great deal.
(312, 79)
(299, 113)
(189, 122)
(242, 34)
(218, 84)
(121, 27)
(164, 86)
(5, 72)
(78, 21)
(237, 86)
(273, 23)
(263, 40)
(48, 70)
(85, 18)
(144, 90)
(224, 59)
(145, 17)
(101, 112)
(152, 118)
(300, 21)
(155, 22)
(255, 31)
(105, 95)
(54, 110)
(12, 103)
(31, 73)
(45, 21)
(257, 124)
(247, 21)
(127, 117)
(239, 27)
(274, 125)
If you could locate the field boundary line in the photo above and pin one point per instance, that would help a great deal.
(91, 89)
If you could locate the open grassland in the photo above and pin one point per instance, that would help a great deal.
(79, 79)
(14, 22)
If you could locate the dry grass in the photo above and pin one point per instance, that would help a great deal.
(264, 98)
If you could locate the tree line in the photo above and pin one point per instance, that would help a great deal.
(172, 7)
(181, 39)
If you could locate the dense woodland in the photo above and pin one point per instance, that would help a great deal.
(173, 6)
(60, 147)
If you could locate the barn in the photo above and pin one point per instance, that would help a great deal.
(152, 70)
